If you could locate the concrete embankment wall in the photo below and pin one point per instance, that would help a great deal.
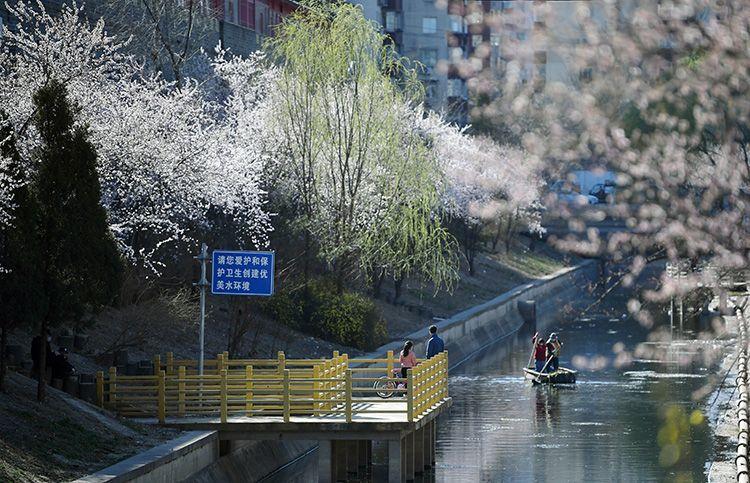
(252, 460)
(175, 460)
(478, 327)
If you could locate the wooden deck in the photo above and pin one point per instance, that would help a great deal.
(374, 421)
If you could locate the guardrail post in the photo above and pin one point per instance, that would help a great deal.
(282, 362)
(348, 395)
(181, 374)
(113, 388)
(219, 363)
(100, 388)
(223, 396)
(161, 397)
(444, 360)
(287, 404)
(316, 389)
(418, 390)
(410, 394)
(249, 390)
(389, 364)
(343, 367)
(157, 364)
(170, 363)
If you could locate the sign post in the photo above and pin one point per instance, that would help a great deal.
(203, 284)
(233, 273)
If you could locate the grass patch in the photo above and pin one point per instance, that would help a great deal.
(530, 263)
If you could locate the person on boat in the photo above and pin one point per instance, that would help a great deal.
(435, 344)
(553, 351)
(407, 359)
(540, 352)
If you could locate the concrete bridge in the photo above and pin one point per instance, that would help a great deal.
(343, 404)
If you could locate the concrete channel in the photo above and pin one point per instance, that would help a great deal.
(202, 456)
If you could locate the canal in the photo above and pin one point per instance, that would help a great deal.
(634, 415)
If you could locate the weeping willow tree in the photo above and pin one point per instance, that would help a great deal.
(362, 182)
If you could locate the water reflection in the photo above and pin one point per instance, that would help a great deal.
(608, 427)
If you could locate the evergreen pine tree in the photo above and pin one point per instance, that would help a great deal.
(81, 266)
(21, 300)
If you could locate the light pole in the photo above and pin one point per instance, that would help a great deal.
(202, 283)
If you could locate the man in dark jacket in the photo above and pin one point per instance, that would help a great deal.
(61, 367)
(36, 344)
(435, 344)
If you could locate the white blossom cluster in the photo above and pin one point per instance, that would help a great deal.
(167, 157)
(484, 179)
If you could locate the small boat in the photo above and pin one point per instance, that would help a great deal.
(561, 376)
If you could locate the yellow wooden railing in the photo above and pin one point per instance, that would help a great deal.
(273, 387)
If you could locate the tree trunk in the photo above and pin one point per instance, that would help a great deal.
(3, 345)
(509, 232)
(377, 282)
(397, 284)
(498, 232)
(306, 261)
(41, 387)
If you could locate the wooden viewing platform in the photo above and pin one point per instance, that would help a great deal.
(332, 400)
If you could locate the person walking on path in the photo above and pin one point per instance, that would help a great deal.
(435, 344)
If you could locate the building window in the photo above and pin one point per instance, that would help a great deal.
(429, 25)
(457, 24)
(455, 88)
(230, 7)
(428, 57)
(391, 21)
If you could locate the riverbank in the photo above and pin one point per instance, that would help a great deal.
(721, 411)
(64, 437)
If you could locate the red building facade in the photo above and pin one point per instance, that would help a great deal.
(257, 15)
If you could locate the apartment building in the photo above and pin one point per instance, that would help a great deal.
(244, 24)
(435, 34)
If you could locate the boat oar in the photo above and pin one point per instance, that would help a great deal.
(533, 346)
(538, 380)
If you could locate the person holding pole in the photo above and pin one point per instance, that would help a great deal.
(539, 352)
(553, 351)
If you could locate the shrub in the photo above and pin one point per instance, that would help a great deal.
(349, 319)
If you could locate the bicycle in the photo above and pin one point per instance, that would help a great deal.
(387, 386)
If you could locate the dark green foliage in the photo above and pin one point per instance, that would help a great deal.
(21, 298)
(81, 266)
(80, 258)
(347, 318)
(352, 320)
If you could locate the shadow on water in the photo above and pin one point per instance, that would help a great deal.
(627, 419)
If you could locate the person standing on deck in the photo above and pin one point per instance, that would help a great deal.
(435, 344)
(540, 352)
(553, 350)
(407, 359)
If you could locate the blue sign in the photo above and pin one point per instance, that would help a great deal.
(242, 273)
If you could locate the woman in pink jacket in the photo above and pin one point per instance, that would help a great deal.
(407, 359)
